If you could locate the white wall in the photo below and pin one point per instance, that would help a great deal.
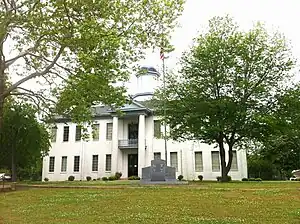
(185, 152)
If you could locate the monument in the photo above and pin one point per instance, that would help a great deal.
(159, 173)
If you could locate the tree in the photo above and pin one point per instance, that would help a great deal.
(86, 44)
(76, 49)
(282, 146)
(226, 86)
(25, 139)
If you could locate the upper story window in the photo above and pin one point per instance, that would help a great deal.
(109, 127)
(157, 129)
(66, 134)
(78, 133)
(53, 134)
(95, 131)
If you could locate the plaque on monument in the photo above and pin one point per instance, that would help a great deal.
(158, 170)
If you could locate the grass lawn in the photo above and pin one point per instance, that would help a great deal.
(207, 202)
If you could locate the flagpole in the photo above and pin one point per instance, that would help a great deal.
(165, 112)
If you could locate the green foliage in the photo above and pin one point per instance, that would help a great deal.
(226, 87)
(46, 179)
(134, 178)
(258, 179)
(245, 179)
(88, 178)
(104, 178)
(226, 179)
(71, 178)
(281, 149)
(251, 179)
(78, 50)
(118, 175)
(180, 177)
(111, 178)
(26, 139)
(200, 177)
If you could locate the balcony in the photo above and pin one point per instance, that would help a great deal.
(128, 144)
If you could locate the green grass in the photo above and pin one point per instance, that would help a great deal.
(207, 202)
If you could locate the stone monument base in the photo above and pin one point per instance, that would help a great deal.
(159, 173)
(167, 182)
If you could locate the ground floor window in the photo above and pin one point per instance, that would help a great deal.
(95, 163)
(63, 164)
(76, 163)
(174, 160)
(234, 164)
(198, 162)
(215, 159)
(108, 162)
(157, 155)
(51, 164)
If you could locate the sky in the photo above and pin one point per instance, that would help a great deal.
(281, 15)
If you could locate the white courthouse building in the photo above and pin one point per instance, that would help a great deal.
(128, 143)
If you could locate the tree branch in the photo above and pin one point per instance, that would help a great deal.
(33, 75)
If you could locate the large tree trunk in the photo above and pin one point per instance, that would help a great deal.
(225, 168)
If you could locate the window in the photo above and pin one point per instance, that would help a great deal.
(215, 159)
(108, 162)
(174, 160)
(198, 162)
(234, 165)
(78, 133)
(66, 134)
(157, 155)
(157, 129)
(95, 163)
(95, 128)
(63, 164)
(53, 134)
(76, 163)
(109, 127)
(51, 164)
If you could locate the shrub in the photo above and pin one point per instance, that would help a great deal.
(104, 178)
(71, 178)
(46, 179)
(180, 177)
(251, 179)
(88, 178)
(118, 175)
(200, 177)
(258, 179)
(245, 179)
(99, 178)
(134, 178)
(94, 179)
(228, 178)
(111, 178)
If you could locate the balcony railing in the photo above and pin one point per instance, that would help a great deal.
(128, 143)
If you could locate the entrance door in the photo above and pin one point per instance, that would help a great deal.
(132, 165)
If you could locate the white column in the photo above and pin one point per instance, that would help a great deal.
(115, 147)
(141, 144)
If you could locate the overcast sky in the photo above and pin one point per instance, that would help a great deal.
(281, 15)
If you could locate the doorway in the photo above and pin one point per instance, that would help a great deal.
(132, 165)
